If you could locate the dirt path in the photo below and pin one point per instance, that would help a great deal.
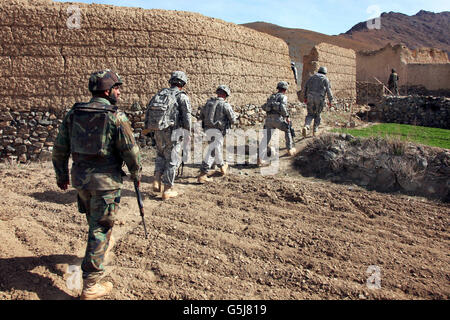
(243, 236)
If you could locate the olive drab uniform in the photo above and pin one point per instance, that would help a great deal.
(100, 139)
(277, 111)
(216, 114)
(393, 82)
(317, 88)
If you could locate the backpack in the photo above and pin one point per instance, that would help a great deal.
(161, 110)
(210, 113)
(272, 104)
(89, 126)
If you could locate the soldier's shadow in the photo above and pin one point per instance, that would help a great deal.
(58, 197)
(17, 274)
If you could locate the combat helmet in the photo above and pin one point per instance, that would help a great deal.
(178, 77)
(103, 80)
(323, 70)
(224, 88)
(282, 85)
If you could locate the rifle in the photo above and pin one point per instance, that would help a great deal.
(291, 129)
(141, 205)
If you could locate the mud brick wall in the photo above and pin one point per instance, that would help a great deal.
(45, 64)
(414, 110)
(341, 65)
(424, 67)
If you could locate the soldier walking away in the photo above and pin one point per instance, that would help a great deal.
(168, 110)
(276, 108)
(294, 70)
(100, 139)
(216, 114)
(393, 82)
(316, 89)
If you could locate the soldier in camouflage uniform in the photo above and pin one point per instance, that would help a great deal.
(393, 82)
(277, 111)
(316, 89)
(216, 114)
(168, 151)
(100, 139)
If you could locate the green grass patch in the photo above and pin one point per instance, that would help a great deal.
(434, 137)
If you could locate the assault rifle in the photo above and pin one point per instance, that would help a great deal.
(141, 205)
(291, 129)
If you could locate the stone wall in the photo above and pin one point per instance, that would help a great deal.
(369, 93)
(341, 65)
(47, 52)
(413, 110)
(426, 67)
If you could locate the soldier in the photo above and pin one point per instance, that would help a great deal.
(316, 88)
(393, 82)
(294, 70)
(100, 138)
(216, 114)
(276, 108)
(168, 110)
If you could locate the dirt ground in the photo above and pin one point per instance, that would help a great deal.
(242, 236)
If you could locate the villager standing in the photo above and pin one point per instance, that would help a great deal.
(277, 111)
(393, 82)
(167, 111)
(217, 116)
(317, 88)
(100, 139)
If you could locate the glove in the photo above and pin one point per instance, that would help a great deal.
(63, 185)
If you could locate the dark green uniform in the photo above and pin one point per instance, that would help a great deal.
(100, 140)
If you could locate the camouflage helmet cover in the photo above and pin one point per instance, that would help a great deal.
(224, 88)
(178, 76)
(103, 80)
(282, 85)
(323, 70)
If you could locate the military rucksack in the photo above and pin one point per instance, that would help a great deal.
(210, 109)
(89, 126)
(161, 110)
(272, 104)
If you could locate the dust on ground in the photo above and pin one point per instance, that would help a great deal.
(242, 236)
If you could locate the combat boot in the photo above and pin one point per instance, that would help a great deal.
(224, 169)
(304, 132)
(157, 182)
(169, 192)
(203, 178)
(292, 152)
(93, 290)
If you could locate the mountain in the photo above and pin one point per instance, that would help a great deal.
(425, 29)
(301, 41)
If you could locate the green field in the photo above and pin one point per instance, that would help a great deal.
(434, 137)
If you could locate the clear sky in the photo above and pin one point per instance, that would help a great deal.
(325, 16)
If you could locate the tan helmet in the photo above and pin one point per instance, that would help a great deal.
(103, 80)
(282, 85)
(224, 88)
(178, 77)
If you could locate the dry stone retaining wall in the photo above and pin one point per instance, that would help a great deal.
(45, 65)
(413, 110)
(341, 65)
